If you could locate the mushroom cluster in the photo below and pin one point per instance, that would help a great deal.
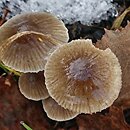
(69, 78)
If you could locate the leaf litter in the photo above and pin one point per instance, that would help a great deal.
(15, 108)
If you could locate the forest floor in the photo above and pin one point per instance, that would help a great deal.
(14, 108)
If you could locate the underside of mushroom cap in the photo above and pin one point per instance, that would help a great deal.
(56, 112)
(32, 86)
(83, 78)
(35, 21)
(27, 51)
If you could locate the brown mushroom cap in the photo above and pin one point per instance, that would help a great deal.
(83, 78)
(56, 112)
(32, 86)
(27, 51)
(37, 21)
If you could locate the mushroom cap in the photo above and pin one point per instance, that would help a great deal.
(32, 86)
(41, 22)
(56, 112)
(27, 51)
(83, 78)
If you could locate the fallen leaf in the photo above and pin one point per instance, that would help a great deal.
(119, 42)
(15, 108)
(114, 120)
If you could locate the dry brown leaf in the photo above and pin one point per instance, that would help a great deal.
(119, 42)
(114, 120)
(15, 108)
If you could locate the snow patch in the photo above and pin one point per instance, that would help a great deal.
(85, 11)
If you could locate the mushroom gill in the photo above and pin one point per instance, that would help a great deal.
(56, 112)
(35, 21)
(83, 78)
(32, 86)
(27, 51)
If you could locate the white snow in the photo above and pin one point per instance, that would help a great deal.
(85, 11)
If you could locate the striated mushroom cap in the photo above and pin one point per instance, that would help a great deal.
(56, 112)
(32, 86)
(83, 78)
(27, 51)
(35, 21)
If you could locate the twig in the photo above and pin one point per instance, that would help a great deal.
(5, 13)
(25, 126)
(7, 69)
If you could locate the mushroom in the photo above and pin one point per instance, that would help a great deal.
(27, 51)
(39, 22)
(83, 78)
(56, 112)
(32, 86)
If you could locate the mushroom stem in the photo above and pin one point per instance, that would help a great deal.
(7, 69)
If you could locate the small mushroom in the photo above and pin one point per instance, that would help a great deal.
(56, 112)
(32, 86)
(83, 78)
(27, 51)
(35, 21)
